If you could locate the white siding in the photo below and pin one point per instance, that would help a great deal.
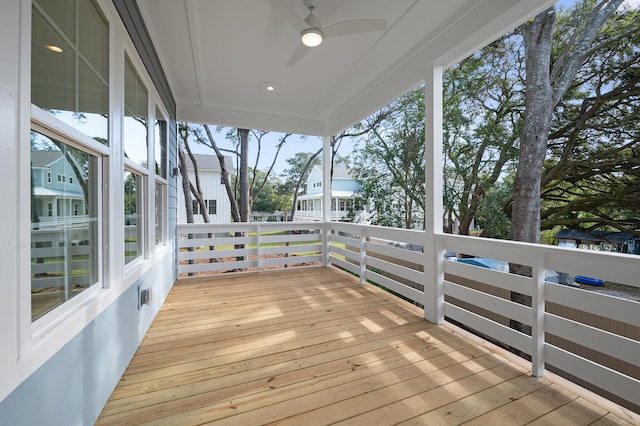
(212, 189)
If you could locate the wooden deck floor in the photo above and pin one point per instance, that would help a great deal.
(312, 346)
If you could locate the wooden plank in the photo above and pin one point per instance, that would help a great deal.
(491, 303)
(424, 401)
(577, 412)
(498, 279)
(614, 308)
(393, 392)
(395, 286)
(395, 269)
(313, 347)
(488, 327)
(525, 409)
(404, 255)
(610, 380)
(355, 269)
(611, 344)
(468, 408)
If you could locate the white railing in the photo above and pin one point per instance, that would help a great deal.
(591, 336)
(61, 259)
(252, 246)
(317, 214)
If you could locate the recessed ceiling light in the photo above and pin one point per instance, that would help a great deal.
(53, 48)
(268, 87)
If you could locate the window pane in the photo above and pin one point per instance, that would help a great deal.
(160, 207)
(70, 64)
(133, 225)
(161, 145)
(64, 223)
(135, 116)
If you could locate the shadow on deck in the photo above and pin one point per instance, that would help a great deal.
(311, 346)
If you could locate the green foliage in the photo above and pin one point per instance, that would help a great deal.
(295, 171)
(389, 163)
(592, 173)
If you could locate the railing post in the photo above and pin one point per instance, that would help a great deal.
(363, 254)
(258, 251)
(326, 244)
(537, 314)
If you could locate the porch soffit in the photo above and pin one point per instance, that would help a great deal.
(218, 56)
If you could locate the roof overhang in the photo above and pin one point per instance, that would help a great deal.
(219, 56)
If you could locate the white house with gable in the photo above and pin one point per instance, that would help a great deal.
(214, 193)
(343, 187)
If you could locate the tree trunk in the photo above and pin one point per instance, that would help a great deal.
(302, 178)
(546, 84)
(186, 191)
(525, 219)
(245, 203)
(235, 214)
(188, 206)
(197, 189)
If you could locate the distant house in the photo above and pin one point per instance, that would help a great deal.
(343, 187)
(621, 242)
(57, 195)
(214, 193)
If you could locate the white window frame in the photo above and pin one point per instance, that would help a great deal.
(156, 107)
(46, 124)
(148, 207)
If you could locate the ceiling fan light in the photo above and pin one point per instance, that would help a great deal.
(311, 37)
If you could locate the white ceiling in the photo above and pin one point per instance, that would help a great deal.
(219, 54)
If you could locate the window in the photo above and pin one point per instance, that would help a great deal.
(212, 206)
(70, 179)
(48, 177)
(59, 177)
(196, 206)
(70, 64)
(160, 142)
(133, 216)
(135, 146)
(160, 155)
(160, 229)
(64, 253)
(135, 116)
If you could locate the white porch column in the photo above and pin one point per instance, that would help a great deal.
(326, 196)
(433, 252)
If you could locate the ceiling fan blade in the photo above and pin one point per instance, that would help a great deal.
(300, 51)
(284, 9)
(354, 27)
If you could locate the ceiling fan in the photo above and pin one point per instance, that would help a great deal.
(311, 31)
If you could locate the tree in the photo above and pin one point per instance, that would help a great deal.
(389, 162)
(243, 172)
(546, 84)
(183, 130)
(300, 166)
(590, 179)
(249, 182)
(482, 114)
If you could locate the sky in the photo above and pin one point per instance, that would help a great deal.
(293, 145)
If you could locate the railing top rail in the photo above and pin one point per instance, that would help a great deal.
(616, 267)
